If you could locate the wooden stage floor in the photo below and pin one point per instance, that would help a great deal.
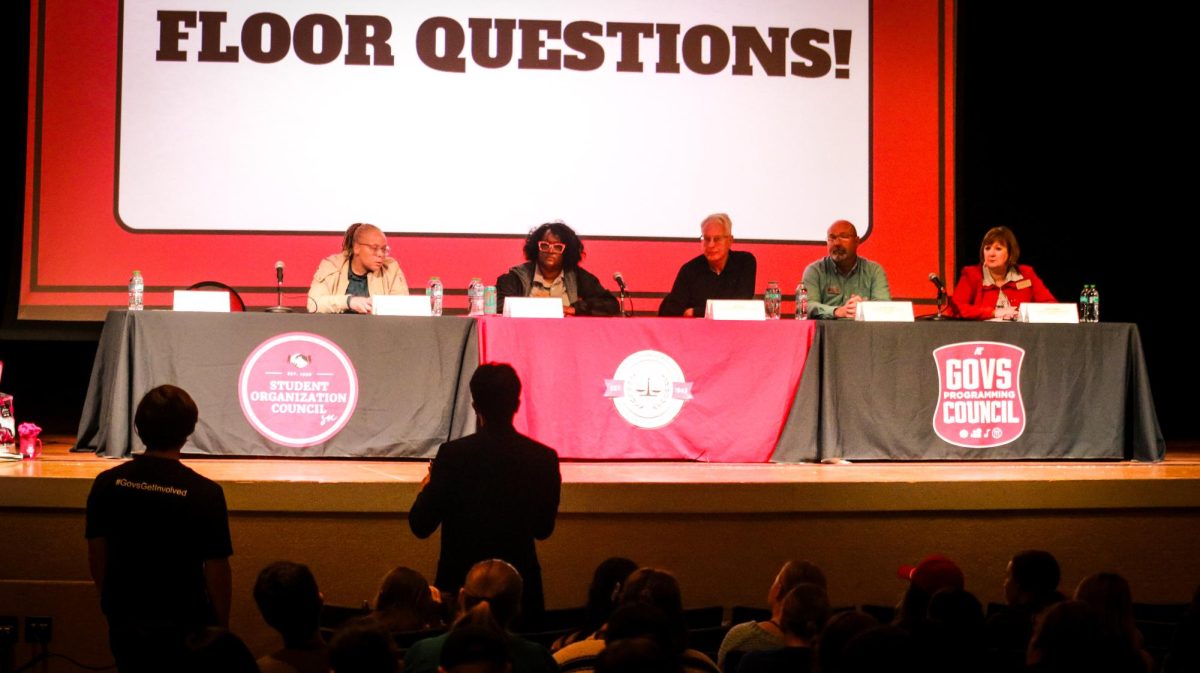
(321, 485)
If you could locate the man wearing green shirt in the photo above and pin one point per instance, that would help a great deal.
(838, 282)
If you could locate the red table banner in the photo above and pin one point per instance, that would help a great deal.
(652, 388)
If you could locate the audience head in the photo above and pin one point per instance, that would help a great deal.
(805, 611)
(405, 602)
(287, 596)
(165, 418)
(1067, 637)
(493, 586)
(363, 647)
(605, 589)
(882, 649)
(933, 573)
(1110, 597)
(791, 575)
(496, 393)
(475, 649)
(1032, 578)
(554, 245)
(660, 589)
(637, 655)
(837, 634)
(216, 650)
(956, 608)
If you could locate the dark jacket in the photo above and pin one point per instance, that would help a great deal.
(584, 291)
(493, 493)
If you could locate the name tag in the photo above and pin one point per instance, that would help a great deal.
(1023, 283)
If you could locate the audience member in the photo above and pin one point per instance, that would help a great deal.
(882, 649)
(603, 592)
(158, 541)
(768, 635)
(363, 647)
(1030, 586)
(837, 634)
(660, 590)
(1068, 638)
(491, 593)
(493, 493)
(952, 638)
(637, 655)
(287, 596)
(406, 602)
(1185, 648)
(933, 573)
(1110, 596)
(805, 612)
(475, 649)
(213, 649)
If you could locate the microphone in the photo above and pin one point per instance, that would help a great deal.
(279, 307)
(620, 281)
(937, 282)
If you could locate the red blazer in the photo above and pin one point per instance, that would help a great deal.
(973, 301)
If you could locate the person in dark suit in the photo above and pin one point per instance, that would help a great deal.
(493, 493)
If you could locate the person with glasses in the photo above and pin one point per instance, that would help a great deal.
(552, 253)
(837, 282)
(717, 273)
(347, 280)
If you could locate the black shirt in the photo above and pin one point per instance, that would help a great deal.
(696, 284)
(160, 521)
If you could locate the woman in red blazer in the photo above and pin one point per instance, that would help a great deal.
(998, 286)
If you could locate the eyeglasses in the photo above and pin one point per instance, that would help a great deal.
(556, 248)
(713, 239)
(381, 250)
(845, 237)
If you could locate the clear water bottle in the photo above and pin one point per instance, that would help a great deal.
(137, 290)
(475, 297)
(489, 300)
(1093, 304)
(801, 302)
(434, 292)
(1085, 310)
(772, 298)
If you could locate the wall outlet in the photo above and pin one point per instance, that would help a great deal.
(8, 631)
(38, 629)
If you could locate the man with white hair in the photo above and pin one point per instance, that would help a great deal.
(717, 273)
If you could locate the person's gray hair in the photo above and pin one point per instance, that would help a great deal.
(719, 217)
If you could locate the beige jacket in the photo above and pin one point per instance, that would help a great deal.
(328, 291)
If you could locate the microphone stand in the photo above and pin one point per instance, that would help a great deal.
(624, 298)
(941, 305)
(279, 307)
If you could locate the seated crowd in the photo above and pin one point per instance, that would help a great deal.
(634, 621)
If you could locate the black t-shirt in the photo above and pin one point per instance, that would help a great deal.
(160, 521)
(696, 284)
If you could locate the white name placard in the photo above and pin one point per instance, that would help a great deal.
(1059, 313)
(533, 307)
(205, 301)
(735, 309)
(884, 311)
(399, 304)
